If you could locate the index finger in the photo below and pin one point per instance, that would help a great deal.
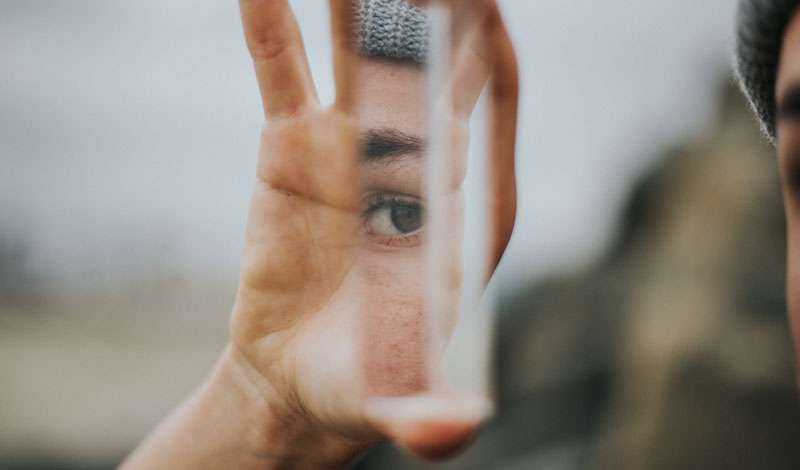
(276, 45)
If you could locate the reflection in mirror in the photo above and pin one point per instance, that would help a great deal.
(419, 76)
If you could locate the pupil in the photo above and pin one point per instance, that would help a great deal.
(406, 218)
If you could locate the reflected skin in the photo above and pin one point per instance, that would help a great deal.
(328, 313)
(391, 266)
(391, 111)
(787, 97)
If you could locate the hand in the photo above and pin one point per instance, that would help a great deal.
(296, 323)
(297, 385)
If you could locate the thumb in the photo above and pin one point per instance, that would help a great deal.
(432, 426)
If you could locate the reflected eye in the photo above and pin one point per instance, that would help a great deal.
(394, 219)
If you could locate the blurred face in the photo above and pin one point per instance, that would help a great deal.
(788, 135)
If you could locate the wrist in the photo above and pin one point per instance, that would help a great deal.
(271, 431)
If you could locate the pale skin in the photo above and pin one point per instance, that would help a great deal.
(327, 353)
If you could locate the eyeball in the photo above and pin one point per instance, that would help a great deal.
(395, 218)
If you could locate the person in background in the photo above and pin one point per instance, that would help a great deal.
(286, 392)
(768, 69)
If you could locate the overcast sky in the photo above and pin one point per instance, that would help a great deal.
(129, 129)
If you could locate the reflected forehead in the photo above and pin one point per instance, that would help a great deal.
(391, 95)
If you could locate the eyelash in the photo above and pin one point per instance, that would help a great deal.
(377, 201)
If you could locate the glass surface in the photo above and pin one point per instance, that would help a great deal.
(423, 257)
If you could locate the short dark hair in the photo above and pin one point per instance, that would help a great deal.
(761, 25)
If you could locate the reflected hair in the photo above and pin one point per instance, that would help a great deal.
(392, 29)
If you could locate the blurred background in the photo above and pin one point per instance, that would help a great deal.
(642, 316)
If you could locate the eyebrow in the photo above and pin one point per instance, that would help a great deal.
(389, 144)
(789, 105)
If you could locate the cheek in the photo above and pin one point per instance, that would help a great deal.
(398, 351)
(793, 280)
(397, 342)
(395, 332)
